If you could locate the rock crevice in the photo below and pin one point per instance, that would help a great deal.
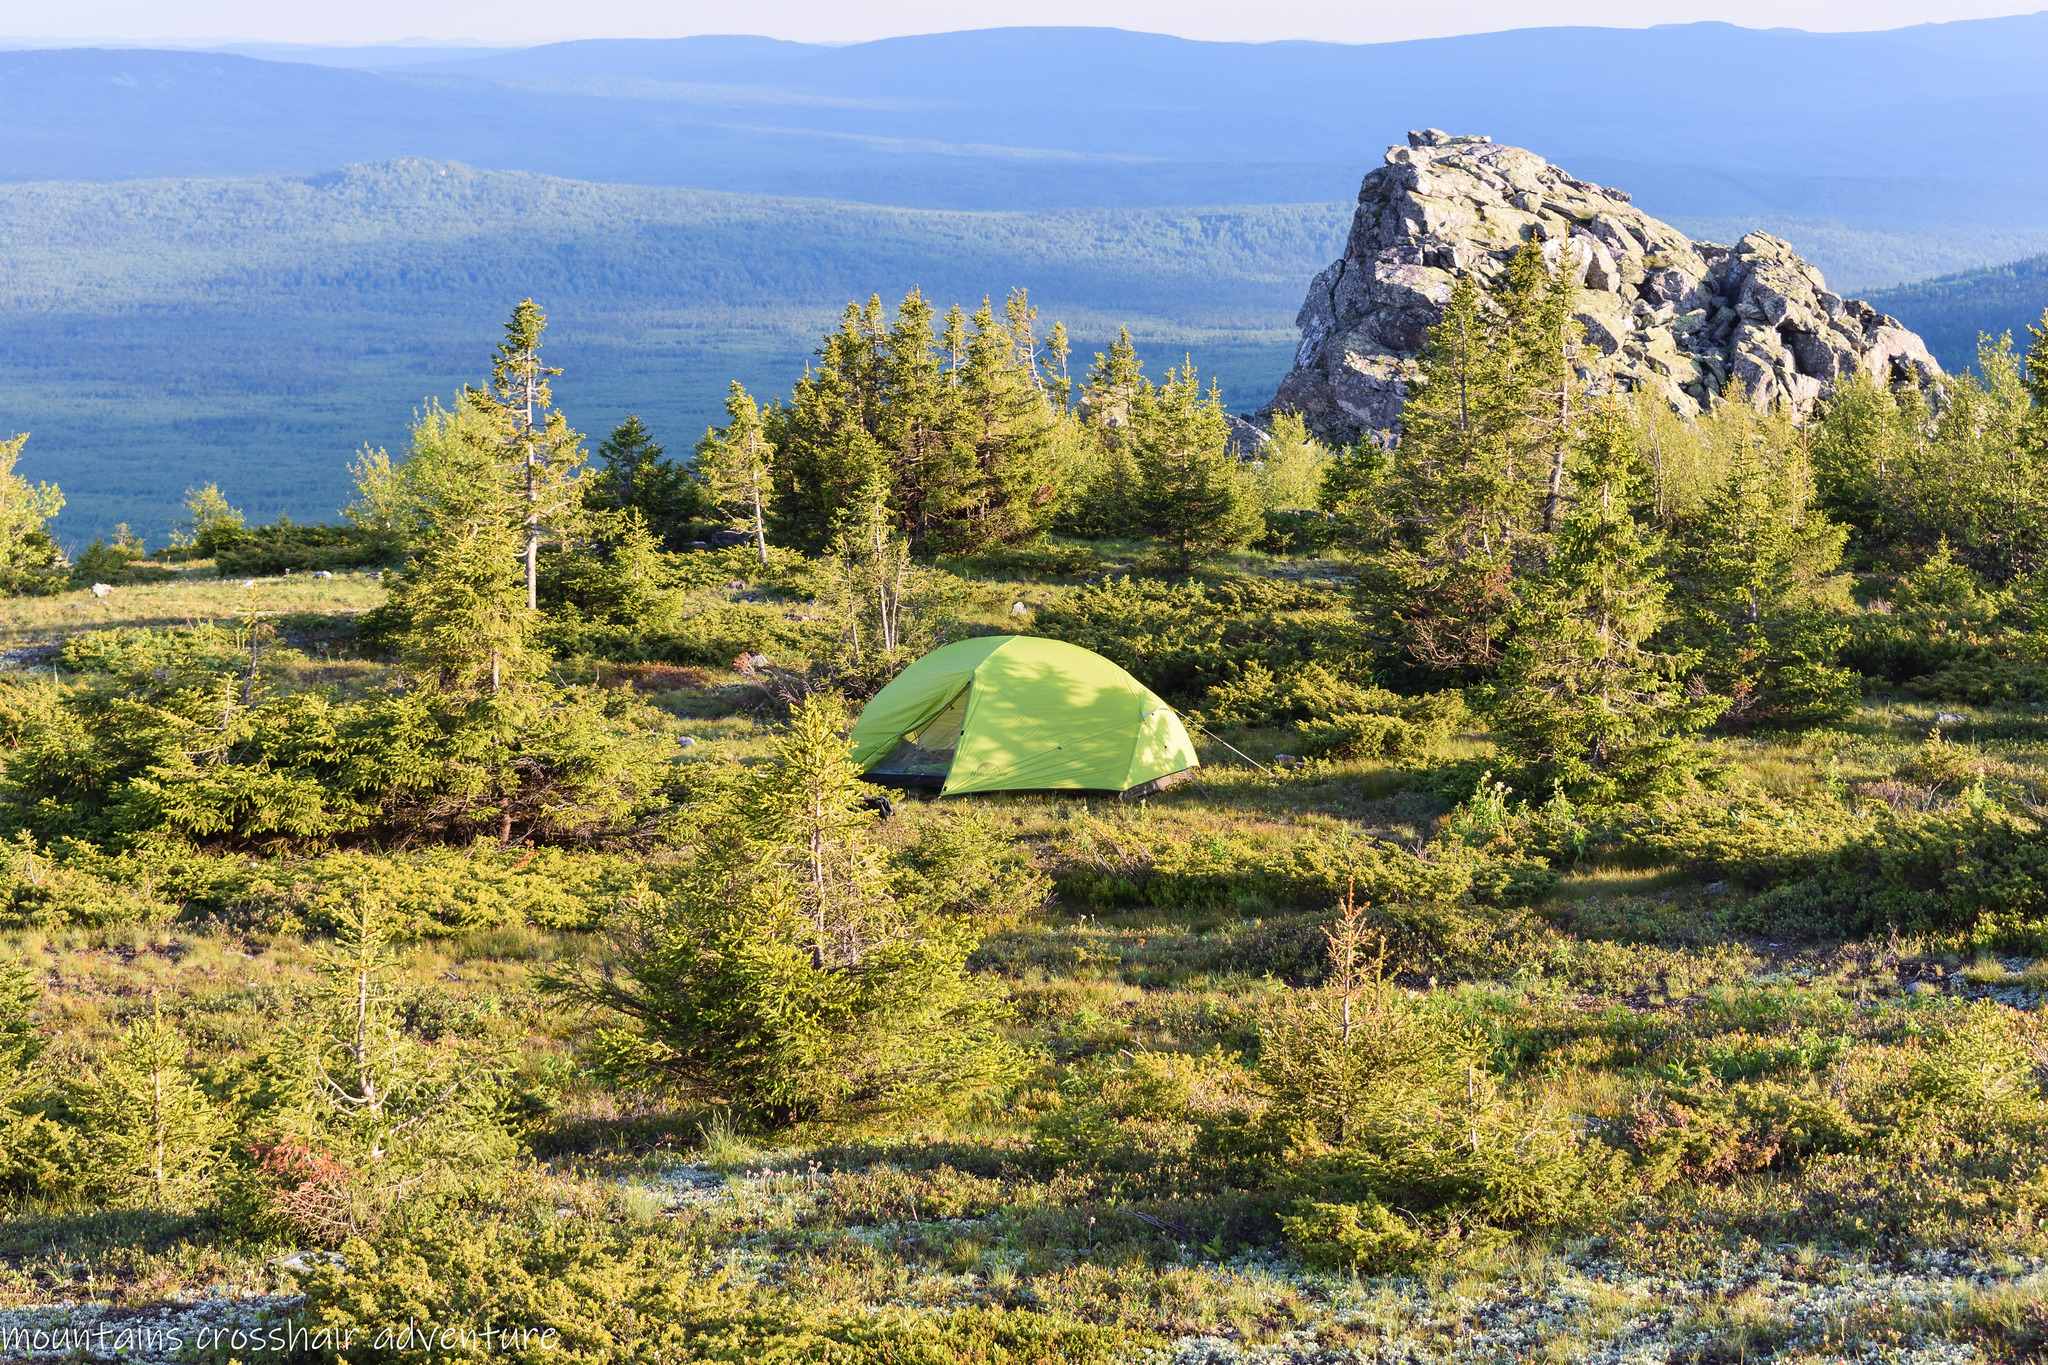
(1661, 313)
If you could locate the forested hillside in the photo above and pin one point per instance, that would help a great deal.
(165, 333)
(1953, 311)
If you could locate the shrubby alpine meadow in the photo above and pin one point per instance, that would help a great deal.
(1608, 922)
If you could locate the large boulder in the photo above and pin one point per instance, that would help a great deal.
(1661, 314)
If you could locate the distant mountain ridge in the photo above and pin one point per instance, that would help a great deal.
(1705, 119)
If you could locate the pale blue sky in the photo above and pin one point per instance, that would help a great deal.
(537, 21)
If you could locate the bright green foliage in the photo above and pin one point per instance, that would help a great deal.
(886, 608)
(1580, 698)
(1103, 496)
(1181, 639)
(1978, 876)
(1291, 465)
(783, 974)
(957, 429)
(209, 523)
(1335, 1060)
(30, 561)
(737, 464)
(536, 452)
(1336, 718)
(1191, 493)
(1289, 473)
(1102, 486)
(370, 1116)
(1383, 1104)
(612, 598)
(596, 1290)
(1755, 594)
(634, 476)
(113, 563)
(285, 547)
(189, 734)
(1975, 472)
(157, 1140)
(1413, 730)
(1939, 619)
(1130, 1115)
(34, 1152)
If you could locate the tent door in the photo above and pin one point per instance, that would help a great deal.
(924, 756)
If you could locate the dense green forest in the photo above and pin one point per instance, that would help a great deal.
(1607, 921)
(1952, 312)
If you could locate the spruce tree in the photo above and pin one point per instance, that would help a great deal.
(157, 1140)
(960, 427)
(1579, 698)
(1006, 429)
(930, 473)
(788, 973)
(531, 431)
(635, 476)
(374, 1116)
(825, 438)
(469, 624)
(737, 464)
(208, 524)
(1192, 495)
(1103, 498)
(1755, 592)
(1446, 521)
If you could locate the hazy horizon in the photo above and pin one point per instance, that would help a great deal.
(523, 23)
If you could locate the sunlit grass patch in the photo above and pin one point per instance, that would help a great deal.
(195, 597)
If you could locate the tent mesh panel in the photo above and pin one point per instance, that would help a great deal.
(928, 750)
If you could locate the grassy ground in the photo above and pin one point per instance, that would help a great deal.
(1901, 1256)
(195, 595)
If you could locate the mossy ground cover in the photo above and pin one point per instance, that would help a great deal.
(1817, 1145)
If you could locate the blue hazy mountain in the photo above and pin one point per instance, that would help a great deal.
(1888, 130)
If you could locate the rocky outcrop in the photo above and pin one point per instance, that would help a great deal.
(1664, 314)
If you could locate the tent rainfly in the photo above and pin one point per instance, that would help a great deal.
(1018, 713)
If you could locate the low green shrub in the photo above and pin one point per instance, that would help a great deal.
(1410, 730)
(1182, 639)
(580, 1288)
(283, 547)
(439, 891)
(1977, 877)
(1398, 1138)
(1130, 1111)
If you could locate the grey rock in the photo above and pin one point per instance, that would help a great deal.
(1247, 442)
(1662, 314)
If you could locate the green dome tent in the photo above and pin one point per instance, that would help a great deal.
(1017, 713)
